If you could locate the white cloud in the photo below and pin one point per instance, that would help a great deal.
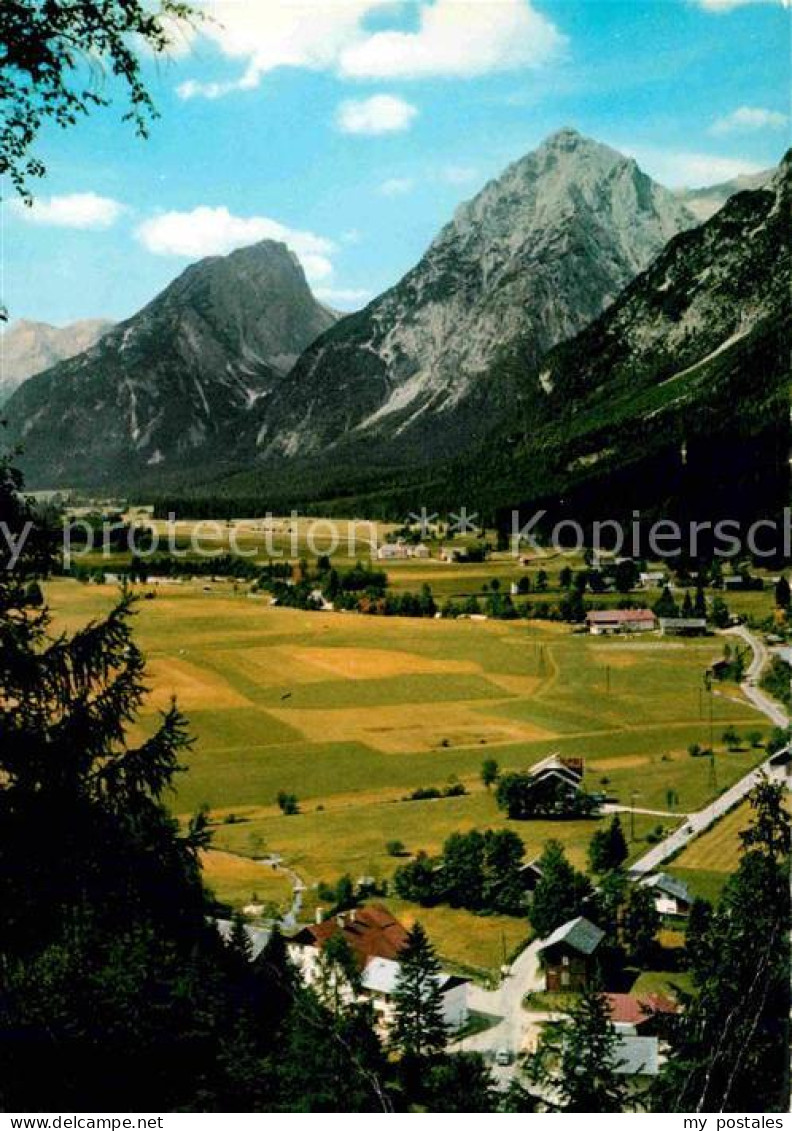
(380, 114)
(459, 40)
(86, 210)
(216, 231)
(454, 38)
(690, 170)
(397, 186)
(351, 298)
(749, 118)
(265, 34)
(730, 5)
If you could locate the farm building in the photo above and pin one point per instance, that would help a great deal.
(375, 938)
(401, 551)
(636, 1056)
(652, 579)
(683, 626)
(602, 622)
(641, 1016)
(553, 785)
(381, 976)
(671, 896)
(568, 955)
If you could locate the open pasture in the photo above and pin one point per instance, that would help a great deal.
(351, 713)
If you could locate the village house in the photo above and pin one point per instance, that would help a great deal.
(557, 768)
(380, 978)
(376, 939)
(652, 579)
(636, 1057)
(555, 783)
(318, 597)
(401, 551)
(671, 896)
(649, 1015)
(683, 626)
(449, 554)
(568, 955)
(602, 622)
(257, 937)
(530, 875)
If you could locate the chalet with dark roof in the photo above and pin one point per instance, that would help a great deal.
(569, 955)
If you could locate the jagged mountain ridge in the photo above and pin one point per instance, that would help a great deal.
(677, 398)
(705, 202)
(28, 347)
(537, 254)
(174, 387)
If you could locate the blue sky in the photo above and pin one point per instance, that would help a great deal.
(353, 128)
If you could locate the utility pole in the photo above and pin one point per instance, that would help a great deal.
(712, 724)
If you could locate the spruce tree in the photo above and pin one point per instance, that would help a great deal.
(560, 893)
(729, 1051)
(640, 924)
(115, 984)
(418, 1028)
(608, 847)
(576, 1061)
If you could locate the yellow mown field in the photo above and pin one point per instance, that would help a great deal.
(351, 713)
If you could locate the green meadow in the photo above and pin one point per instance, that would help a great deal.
(351, 713)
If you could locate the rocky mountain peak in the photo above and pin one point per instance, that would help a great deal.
(529, 261)
(175, 385)
(28, 347)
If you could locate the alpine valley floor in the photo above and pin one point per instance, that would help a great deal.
(352, 713)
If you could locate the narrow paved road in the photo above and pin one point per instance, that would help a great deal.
(769, 707)
(512, 1029)
(698, 822)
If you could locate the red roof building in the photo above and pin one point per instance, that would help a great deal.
(644, 1015)
(371, 932)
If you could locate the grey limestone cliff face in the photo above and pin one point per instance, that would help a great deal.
(176, 385)
(29, 347)
(530, 261)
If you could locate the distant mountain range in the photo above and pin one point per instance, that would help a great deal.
(705, 202)
(179, 385)
(677, 399)
(528, 262)
(30, 347)
(573, 301)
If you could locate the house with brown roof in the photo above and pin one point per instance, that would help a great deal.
(376, 939)
(370, 932)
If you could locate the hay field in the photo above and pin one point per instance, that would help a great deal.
(352, 712)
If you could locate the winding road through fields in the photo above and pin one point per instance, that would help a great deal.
(513, 1028)
(699, 822)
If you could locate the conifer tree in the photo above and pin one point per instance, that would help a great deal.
(560, 893)
(576, 1061)
(640, 924)
(729, 1051)
(418, 1030)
